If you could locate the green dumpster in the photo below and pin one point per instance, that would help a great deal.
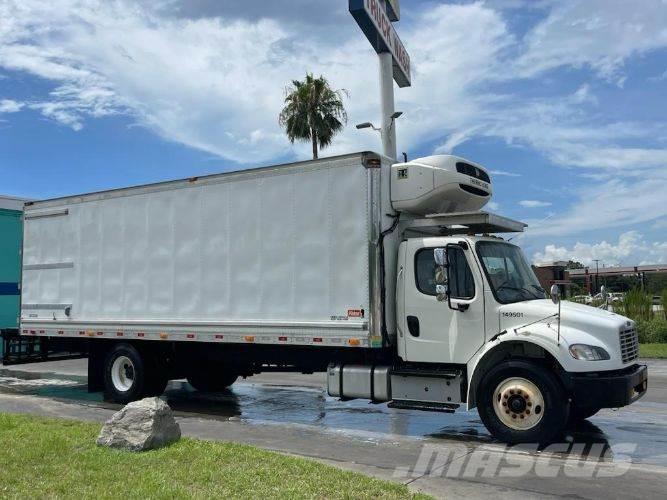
(10, 262)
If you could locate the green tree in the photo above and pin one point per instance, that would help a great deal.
(313, 112)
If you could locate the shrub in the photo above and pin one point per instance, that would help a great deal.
(652, 331)
(636, 305)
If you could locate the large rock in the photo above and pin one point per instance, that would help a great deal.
(141, 425)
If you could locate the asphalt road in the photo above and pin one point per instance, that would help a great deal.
(614, 454)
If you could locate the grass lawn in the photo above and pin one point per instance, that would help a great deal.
(653, 350)
(59, 458)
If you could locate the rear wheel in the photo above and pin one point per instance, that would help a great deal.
(130, 375)
(211, 380)
(522, 402)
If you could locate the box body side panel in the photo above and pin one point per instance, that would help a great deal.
(277, 247)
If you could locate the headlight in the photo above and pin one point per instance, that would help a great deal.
(588, 352)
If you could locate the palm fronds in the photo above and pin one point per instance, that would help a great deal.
(313, 111)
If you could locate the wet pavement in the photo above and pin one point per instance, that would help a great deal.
(296, 400)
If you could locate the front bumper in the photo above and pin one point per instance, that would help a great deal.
(610, 389)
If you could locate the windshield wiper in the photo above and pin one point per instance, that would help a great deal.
(517, 288)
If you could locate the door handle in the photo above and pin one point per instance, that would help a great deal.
(461, 307)
(413, 326)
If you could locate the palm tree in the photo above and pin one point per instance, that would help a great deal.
(313, 111)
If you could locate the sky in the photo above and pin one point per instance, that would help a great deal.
(564, 101)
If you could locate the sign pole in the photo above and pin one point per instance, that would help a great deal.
(375, 18)
(388, 131)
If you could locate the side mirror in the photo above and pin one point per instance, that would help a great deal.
(440, 257)
(555, 294)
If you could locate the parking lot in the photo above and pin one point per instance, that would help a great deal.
(619, 453)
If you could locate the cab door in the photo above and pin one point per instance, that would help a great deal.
(438, 332)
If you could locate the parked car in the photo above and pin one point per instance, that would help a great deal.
(583, 299)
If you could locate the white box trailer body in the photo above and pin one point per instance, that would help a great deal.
(284, 254)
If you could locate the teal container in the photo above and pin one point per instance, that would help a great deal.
(11, 233)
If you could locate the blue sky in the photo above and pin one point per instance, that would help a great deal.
(564, 101)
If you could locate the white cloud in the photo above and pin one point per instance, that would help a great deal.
(216, 84)
(492, 205)
(455, 139)
(211, 84)
(616, 203)
(569, 136)
(599, 33)
(584, 95)
(658, 78)
(10, 106)
(534, 203)
(504, 173)
(630, 249)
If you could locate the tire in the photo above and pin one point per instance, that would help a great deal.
(580, 412)
(211, 380)
(130, 375)
(124, 375)
(522, 402)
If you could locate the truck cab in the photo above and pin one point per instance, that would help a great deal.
(474, 328)
(531, 363)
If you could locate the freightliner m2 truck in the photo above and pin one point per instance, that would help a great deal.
(385, 275)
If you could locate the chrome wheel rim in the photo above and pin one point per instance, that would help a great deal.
(122, 374)
(518, 403)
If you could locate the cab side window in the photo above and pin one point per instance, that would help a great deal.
(425, 271)
(461, 284)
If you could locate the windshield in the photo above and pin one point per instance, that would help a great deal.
(510, 276)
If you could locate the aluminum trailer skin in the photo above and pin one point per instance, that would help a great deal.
(384, 275)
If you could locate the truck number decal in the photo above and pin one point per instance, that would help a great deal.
(513, 314)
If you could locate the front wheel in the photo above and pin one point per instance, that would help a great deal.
(522, 402)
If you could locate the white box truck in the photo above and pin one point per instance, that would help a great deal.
(386, 276)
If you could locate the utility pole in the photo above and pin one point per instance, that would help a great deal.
(597, 274)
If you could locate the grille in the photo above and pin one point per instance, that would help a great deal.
(629, 345)
(473, 190)
(477, 173)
